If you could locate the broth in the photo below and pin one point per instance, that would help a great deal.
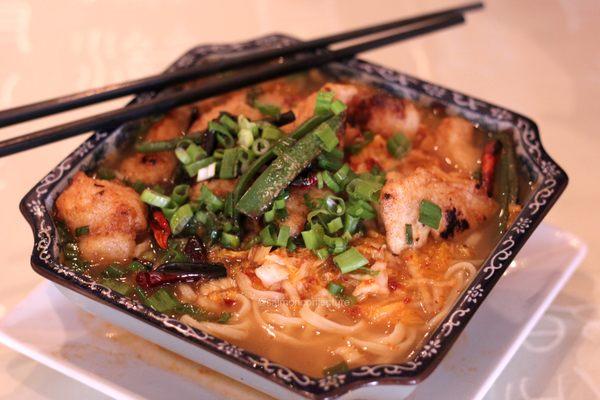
(354, 260)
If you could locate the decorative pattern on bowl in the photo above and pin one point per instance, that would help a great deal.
(550, 180)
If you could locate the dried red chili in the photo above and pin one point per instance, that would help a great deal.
(489, 159)
(160, 228)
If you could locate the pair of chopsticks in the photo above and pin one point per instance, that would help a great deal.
(308, 57)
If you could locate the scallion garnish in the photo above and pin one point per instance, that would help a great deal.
(210, 200)
(270, 132)
(330, 182)
(180, 194)
(229, 164)
(323, 103)
(350, 260)
(82, 231)
(328, 137)
(338, 107)
(229, 122)
(430, 214)
(193, 168)
(409, 234)
(260, 146)
(336, 369)
(207, 172)
(154, 198)
(230, 241)
(283, 236)
(398, 145)
(180, 218)
(267, 109)
(335, 225)
(335, 288)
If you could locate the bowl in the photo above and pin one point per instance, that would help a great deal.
(371, 381)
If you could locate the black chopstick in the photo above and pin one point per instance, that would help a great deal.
(92, 96)
(168, 101)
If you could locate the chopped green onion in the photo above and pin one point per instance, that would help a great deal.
(338, 107)
(312, 238)
(169, 209)
(230, 241)
(350, 260)
(331, 161)
(260, 146)
(212, 202)
(270, 132)
(229, 122)
(322, 253)
(330, 182)
(323, 102)
(266, 236)
(154, 198)
(224, 318)
(398, 145)
(162, 301)
(335, 225)
(335, 205)
(207, 172)
(218, 128)
(362, 189)
(245, 123)
(113, 272)
(82, 231)
(335, 288)
(267, 109)
(117, 286)
(319, 180)
(229, 164)
(195, 152)
(430, 214)
(180, 194)
(409, 234)
(336, 369)
(180, 218)
(136, 266)
(350, 223)
(106, 174)
(328, 138)
(245, 138)
(269, 216)
(283, 236)
(182, 154)
(193, 168)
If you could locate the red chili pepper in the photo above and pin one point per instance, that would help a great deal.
(488, 165)
(147, 280)
(160, 228)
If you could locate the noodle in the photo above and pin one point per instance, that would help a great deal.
(327, 325)
(245, 286)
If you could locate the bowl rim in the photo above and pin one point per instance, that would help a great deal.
(552, 182)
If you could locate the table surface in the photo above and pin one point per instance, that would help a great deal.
(540, 58)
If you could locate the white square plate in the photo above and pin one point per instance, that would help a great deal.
(48, 328)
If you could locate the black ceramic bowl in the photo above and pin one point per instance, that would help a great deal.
(549, 182)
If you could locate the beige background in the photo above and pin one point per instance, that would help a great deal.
(540, 58)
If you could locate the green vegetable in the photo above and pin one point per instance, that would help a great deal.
(193, 168)
(336, 369)
(118, 286)
(350, 260)
(82, 231)
(323, 102)
(409, 234)
(335, 288)
(105, 173)
(226, 120)
(114, 272)
(180, 218)
(180, 194)
(154, 198)
(229, 164)
(328, 137)
(230, 241)
(283, 171)
(267, 109)
(162, 301)
(398, 145)
(430, 214)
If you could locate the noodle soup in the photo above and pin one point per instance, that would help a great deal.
(321, 224)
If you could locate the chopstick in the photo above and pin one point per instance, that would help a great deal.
(92, 96)
(166, 102)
